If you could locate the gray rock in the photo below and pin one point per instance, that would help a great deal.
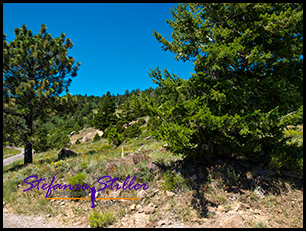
(64, 153)
(85, 139)
(138, 157)
(149, 210)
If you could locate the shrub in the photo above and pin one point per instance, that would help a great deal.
(119, 126)
(101, 220)
(173, 182)
(96, 138)
(114, 137)
(132, 131)
(78, 179)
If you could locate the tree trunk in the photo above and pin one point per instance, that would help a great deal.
(28, 152)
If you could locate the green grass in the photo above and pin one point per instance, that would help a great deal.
(8, 152)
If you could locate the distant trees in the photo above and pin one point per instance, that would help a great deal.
(106, 113)
(35, 71)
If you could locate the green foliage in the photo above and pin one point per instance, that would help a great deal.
(132, 131)
(287, 157)
(247, 85)
(113, 136)
(80, 180)
(96, 138)
(119, 126)
(172, 182)
(99, 220)
(141, 121)
(106, 114)
(76, 128)
(35, 71)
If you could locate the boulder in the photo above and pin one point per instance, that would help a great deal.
(138, 157)
(85, 139)
(153, 166)
(64, 153)
(72, 133)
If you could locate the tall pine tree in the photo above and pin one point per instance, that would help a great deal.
(248, 80)
(35, 71)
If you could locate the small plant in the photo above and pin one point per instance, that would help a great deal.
(98, 220)
(78, 179)
(171, 181)
(57, 165)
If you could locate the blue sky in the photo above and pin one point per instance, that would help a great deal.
(113, 41)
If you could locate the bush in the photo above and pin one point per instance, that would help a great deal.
(98, 220)
(96, 138)
(119, 126)
(114, 137)
(78, 179)
(132, 131)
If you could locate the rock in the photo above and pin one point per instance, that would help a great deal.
(136, 170)
(231, 222)
(132, 207)
(139, 207)
(149, 210)
(111, 167)
(165, 145)
(153, 166)
(85, 139)
(150, 224)
(147, 138)
(126, 202)
(115, 194)
(138, 157)
(142, 194)
(72, 133)
(170, 194)
(259, 192)
(48, 215)
(64, 153)
(163, 222)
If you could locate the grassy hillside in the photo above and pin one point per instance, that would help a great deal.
(183, 193)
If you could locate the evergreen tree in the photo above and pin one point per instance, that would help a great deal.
(106, 113)
(248, 80)
(35, 71)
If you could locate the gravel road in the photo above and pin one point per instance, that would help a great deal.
(11, 159)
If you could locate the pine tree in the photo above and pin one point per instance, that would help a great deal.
(35, 71)
(248, 80)
(106, 113)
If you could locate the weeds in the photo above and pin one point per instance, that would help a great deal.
(99, 220)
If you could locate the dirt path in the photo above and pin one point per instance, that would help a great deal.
(11, 159)
(11, 220)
